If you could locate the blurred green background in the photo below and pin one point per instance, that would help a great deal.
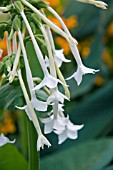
(91, 102)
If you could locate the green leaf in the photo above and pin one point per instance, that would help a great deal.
(10, 96)
(108, 168)
(34, 161)
(11, 158)
(92, 155)
(33, 61)
(4, 17)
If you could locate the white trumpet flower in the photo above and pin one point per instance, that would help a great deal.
(38, 105)
(56, 96)
(48, 80)
(99, 4)
(26, 110)
(70, 131)
(58, 57)
(42, 141)
(31, 113)
(54, 123)
(4, 140)
(81, 70)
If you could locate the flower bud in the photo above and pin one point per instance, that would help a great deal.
(17, 23)
(18, 5)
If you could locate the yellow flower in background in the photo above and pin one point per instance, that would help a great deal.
(99, 81)
(110, 29)
(63, 44)
(8, 124)
(107, 58)
(3, 46)
(53, 3)
(71, 22)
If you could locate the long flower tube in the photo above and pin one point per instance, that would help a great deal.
(48, 22)
(38, 105)
(81, 70)
(51, 59)
(54, 91)
(14, 42)
(15, 65)
(55, 96)
(8, 43)
(41, 138)
(99, 4)
(48, 80)
(50, 37)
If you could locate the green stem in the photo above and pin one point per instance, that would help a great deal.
(32, 151)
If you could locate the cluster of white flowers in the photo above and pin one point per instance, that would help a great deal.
(55, 120)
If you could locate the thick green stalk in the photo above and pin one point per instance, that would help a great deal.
(32, 151)
(33, 155)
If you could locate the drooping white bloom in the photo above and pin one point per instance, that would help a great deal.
(70, 131)
(31, 113)
(99, 4)
(42, 141)
(26, 110)
(48, 80)
(81, 70)
(58, 57)
(56, 96)
(4, 140)
(54, 123)
(38, 105)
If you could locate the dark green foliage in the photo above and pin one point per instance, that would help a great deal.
(11, 159)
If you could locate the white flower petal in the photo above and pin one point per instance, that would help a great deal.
(72, 134)
(47, 61)
(60, 58)
(59, 124)
(60, 107)
(82, 70)
(50, 99)
(39, 105)
(48, 81)
(42, 141)
(49, 122)
(73, 127)
(56, 96)
(58, 62)
(4, 140)
(51, 82)
(26, 110)
(48, 127)
(62, 137)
